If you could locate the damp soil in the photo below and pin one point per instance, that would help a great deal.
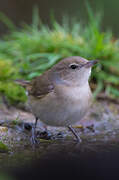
(99, 132)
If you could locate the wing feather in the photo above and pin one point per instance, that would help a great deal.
(40, 86)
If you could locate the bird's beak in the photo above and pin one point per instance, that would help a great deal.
(91, 63)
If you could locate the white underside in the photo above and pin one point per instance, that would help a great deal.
(62, 108)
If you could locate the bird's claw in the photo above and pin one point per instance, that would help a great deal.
(78, 139)
(34, 140)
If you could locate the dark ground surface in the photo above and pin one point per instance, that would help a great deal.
(59, 153)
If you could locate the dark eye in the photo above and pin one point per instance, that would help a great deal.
(74, 66)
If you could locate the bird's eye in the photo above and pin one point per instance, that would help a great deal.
(74, 66)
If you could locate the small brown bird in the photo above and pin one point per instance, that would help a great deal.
(61, 96)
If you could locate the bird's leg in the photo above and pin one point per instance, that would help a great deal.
(75, 133)
(33, 137)
(36, 120)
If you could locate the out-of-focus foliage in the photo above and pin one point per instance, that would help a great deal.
(7, 86)
(28, 52)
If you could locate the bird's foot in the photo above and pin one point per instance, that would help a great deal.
(78, 139)
(34, 140)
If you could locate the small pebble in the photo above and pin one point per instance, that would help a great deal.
(27, 126)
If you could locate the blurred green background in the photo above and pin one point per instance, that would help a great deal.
(35, 37)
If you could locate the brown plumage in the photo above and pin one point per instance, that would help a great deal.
(61, 96)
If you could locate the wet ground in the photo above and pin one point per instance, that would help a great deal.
(99, 132)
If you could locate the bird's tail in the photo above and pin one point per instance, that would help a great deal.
(23, 83)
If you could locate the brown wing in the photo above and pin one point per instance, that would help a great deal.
(40, 86)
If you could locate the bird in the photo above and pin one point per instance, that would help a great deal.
(61, 96)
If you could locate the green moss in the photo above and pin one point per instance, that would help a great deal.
(3, 147)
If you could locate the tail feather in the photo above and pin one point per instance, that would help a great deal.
(23, 83)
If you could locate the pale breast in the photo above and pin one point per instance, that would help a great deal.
(62, 107)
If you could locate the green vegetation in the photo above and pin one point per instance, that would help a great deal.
(28, 52)
(3, 147)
